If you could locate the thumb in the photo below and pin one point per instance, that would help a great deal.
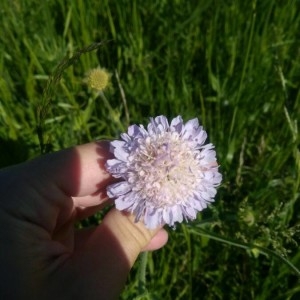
(104, 255)
(133, 236)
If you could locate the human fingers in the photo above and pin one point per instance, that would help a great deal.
(82, 212)
(41, 191)
(158, 241)
(79, 171)
(105, 254)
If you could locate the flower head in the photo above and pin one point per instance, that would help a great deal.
(98, 79)
(166, 172)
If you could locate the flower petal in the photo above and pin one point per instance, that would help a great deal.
(123, 202)
(118, 189)
(177, 124)
(116, 167)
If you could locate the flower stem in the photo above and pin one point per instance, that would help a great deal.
(247, 246)
(142, 272)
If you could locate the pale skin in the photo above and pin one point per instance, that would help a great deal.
(42, 255)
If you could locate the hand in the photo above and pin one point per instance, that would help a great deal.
(42, 256)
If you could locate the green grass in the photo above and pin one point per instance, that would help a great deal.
(233, 64)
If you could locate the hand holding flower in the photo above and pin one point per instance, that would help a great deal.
(42, 256)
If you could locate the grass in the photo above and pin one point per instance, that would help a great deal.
(233, 64)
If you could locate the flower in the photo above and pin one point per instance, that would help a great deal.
(166, 172)
(98, 79)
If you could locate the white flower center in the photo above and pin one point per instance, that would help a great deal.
(164, 169)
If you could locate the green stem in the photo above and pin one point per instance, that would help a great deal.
(111, 110)
(142, 289)
(246, 246)
(142, 269)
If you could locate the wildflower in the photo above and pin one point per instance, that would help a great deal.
(166, 172)
(98, 79)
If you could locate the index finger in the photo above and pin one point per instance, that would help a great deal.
(78, 171)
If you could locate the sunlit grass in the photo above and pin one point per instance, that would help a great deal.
(235, 65)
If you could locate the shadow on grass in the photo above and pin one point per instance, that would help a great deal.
(13, 152)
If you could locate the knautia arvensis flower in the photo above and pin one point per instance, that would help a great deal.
(167, 174)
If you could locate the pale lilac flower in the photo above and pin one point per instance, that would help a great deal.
(167, 173)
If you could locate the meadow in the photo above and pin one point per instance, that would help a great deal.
(233, 64)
